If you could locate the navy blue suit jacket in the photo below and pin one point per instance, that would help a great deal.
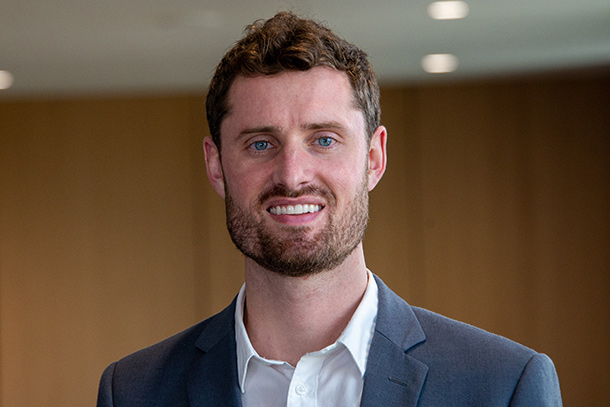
(417, 358)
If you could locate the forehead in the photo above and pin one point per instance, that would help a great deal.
(321, 76)
(319, 94)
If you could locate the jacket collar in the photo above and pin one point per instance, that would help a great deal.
(212, 378)
(392, 376)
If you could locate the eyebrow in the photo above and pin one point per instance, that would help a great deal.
(260, 129)
(332, 125)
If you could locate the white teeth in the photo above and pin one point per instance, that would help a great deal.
(295, 209)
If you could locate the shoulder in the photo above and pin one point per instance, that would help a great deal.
(478, 364)
(169, 351)
(183, 345)
(464, 362)
(446, 335)
(433, 336)
(159, 371)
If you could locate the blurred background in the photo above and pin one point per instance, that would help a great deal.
(494, 210)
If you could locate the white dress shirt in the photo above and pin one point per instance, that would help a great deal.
(333, 376)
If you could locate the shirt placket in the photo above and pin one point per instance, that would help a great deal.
(303, 389)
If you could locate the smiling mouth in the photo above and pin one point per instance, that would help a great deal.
(295, 209)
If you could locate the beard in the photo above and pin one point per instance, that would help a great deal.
(296, 251)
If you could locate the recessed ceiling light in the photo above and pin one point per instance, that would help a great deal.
(6, 80)
(439, 63)
(448, 10)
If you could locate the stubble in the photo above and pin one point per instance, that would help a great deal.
(294, 250)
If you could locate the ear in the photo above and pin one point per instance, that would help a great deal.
(213, 166)
(377, 156)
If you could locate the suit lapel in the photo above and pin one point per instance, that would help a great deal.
(392, 377)
(212, 379)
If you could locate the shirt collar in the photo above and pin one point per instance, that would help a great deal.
(245, 350)
(356, 337)
(358, 333)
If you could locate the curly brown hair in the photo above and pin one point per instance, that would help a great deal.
(288, 42)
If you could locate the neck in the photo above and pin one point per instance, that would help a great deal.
(287, 317)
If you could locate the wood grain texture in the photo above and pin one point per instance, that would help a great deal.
(495, 210)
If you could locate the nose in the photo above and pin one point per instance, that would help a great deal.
(292, 167)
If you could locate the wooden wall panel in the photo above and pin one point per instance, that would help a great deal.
(218, 264)
(96, 240)
(392, 242)
(571, 212)
(507, 188)
(494, 210)
(473, 183)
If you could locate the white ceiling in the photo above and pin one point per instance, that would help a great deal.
(67, 46)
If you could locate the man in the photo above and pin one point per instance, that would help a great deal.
(296, 146)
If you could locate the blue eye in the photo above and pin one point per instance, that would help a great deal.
(325, 141)
(260, 145)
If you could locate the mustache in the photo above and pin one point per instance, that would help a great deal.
(281, 191)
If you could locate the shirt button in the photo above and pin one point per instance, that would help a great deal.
(301, 389)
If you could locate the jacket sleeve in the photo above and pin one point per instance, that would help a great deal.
(538, 385)
(104, 395)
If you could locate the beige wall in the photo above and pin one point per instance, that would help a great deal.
(495, 210)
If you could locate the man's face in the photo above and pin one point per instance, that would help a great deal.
(295, 170)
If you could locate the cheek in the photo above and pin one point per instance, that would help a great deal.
(346, 183)
(237, 186)
(244, 184)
